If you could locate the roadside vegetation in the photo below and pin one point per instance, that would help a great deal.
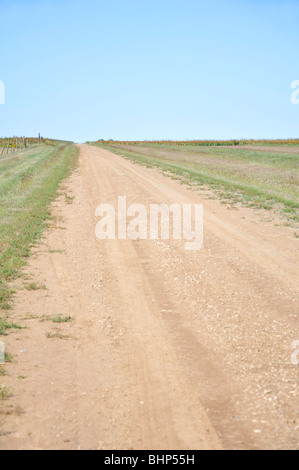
(259, 174)
(29, 181)
(204, 143)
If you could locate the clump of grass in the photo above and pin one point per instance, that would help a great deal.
(5, 392)
(56, 334)
(61, 319)
(8, 411)
(5, 295)
(69, 199)
(2, 371)
(8, 357)
(34, 286)
(31, 316)
(7, 325)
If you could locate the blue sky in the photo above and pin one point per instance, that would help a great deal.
(158, 69)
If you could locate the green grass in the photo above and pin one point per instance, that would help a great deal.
(34, 286)
(28, 184)
(5, 325)
(57, 335)
(265, 178)
(8, 357)
(61, 319)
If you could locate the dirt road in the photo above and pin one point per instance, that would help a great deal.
(168, 349)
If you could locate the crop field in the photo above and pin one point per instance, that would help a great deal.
(255, 173)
